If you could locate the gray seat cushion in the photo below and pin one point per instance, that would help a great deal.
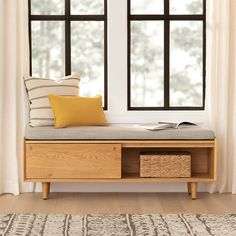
(117, 132)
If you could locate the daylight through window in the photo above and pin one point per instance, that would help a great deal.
(70, 36)
(166, 54)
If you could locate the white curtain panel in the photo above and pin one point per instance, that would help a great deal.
(13, 64)
(221, 76)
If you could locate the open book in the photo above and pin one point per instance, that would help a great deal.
(168, 125)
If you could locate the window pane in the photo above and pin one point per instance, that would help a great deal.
(147, 43)
(87, 52)
(147, 7)
(186, 63)
(48, 52)
(79, 7)
(47, 7)
(186, 6)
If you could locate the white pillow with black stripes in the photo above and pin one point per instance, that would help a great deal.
(38, 89)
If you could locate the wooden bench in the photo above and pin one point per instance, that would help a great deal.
(94, 160)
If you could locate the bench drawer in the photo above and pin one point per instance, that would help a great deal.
(71, 161)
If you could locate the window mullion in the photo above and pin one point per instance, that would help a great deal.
(30, 43)
(129, 55)
(105, 58)
(67, 38)
(204, 55)
(166, 55)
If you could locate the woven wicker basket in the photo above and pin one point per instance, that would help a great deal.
(165, 164)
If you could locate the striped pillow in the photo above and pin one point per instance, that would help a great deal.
(38, 89)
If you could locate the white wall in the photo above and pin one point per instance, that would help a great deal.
(117, 113)
(120, 187)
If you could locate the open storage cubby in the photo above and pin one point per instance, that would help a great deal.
(200, 162)
(111, 161)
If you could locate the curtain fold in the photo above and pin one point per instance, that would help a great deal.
(13, 64)
(221, 90)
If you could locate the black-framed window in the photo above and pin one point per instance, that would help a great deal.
(166, 54)
(70, 36)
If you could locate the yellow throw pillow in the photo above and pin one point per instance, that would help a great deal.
(77, 111)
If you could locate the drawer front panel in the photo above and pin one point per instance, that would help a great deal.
(71, 161)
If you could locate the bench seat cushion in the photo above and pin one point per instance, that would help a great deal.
(117, 132)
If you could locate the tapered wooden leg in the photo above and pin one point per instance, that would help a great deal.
(46, 189)
(194, 190)
(189, 188)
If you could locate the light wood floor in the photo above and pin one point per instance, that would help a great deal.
(118, 203)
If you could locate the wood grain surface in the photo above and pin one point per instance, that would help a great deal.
(61, 161)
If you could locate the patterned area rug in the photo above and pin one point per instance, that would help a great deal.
(117, 224)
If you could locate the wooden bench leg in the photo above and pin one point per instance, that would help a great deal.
(46, 189)
(194, 190)
(189, 188)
